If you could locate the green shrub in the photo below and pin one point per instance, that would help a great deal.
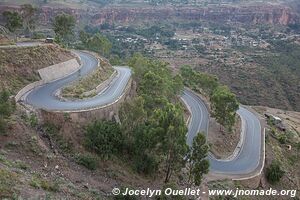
(3, 126)
(6, 106)
(274, 172)
(145, 164)
(104, 138)
(37, 35)
(65, 145)
(87, 160)
(282, 139)
(38, 183)
(33, 120)
(292, 159)
(7, 183)
(21, 165)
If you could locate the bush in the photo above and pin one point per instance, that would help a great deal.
(8, 181)
(274, 172)
(33, 120)
(282, 139)
(6, 107)
(145, 164)
(64, 144)
(87, 160)
(104, 138)
(2, 126)
(37, 35)
(38, 182)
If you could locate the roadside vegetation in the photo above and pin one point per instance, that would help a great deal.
(283, 147)
(19, 66)
(6, 109)
(274, 172)
(63, 27)
(23, 21)
(152, 134)
(222, 101)
(86, 86)
(64, 35)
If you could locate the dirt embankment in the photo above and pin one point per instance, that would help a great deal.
(33, 167)
(39, 162)
(90, 85)
(19, 66)
(222, 143)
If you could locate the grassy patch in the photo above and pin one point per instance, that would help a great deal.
(7, 183)
(5, 161)
(87, 160)
(16, 164)
(40, 183)
(20, 65)
(89, 82)
(63, 144)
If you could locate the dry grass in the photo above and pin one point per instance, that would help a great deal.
(19, 66)
(89, 82)
(223, 143)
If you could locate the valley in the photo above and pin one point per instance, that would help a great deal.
(100, 95)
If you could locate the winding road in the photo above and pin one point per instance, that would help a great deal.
(248, 157)
(44, 96)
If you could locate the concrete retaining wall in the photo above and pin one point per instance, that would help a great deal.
(51, 73)
(60, 70)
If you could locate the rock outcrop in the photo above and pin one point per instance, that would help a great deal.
(251, 14)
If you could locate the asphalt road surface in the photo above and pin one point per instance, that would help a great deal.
(44, 96)
(245, 162)
(248, 158)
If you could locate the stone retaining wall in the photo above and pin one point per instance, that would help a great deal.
(86, 116)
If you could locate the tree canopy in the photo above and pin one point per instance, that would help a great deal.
(197, 163)
(64, 28)
(95, 42)
(224, 105)
(28, 14)
(223, 102)
(13, 20)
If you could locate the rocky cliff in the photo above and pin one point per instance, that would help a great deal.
(249, 14)
(260, 14)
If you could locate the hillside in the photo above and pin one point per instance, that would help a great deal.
(271, 78)
(136, 136)
(18, 66)
(45, 161)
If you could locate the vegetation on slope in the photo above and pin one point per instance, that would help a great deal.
(283, 63)
(85, 86)
(18, 66)
(6, 109)
(152, 135)
(223, 102)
